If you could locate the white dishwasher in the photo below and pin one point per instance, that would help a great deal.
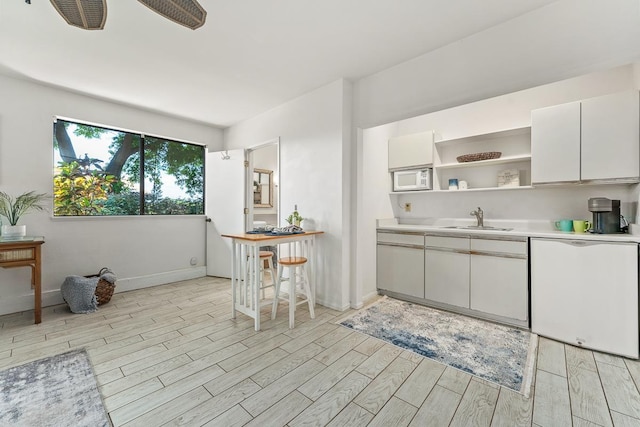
(585, 293)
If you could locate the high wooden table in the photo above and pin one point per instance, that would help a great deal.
(245, 267)
(25, 253)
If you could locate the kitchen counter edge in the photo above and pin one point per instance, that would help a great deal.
(427, 229)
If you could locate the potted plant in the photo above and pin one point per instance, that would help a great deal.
(295, 217)
(13, 209)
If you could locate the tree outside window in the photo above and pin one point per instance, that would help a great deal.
(101, 171)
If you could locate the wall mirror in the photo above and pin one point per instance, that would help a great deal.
(262, 188)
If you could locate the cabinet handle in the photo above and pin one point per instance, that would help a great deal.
(457, 251)
(589, 243)
(406, 233)
(401, 245)
(499, 255)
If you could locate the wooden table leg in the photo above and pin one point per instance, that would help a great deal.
(26, 254)
(37, 286)
(37, 291)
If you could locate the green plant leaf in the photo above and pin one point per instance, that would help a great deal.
(27, 202)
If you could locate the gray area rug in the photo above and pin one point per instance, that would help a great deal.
(56, 391)
(496, 353)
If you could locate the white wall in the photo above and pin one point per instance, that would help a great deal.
(312, 149)
(564, 39)
(502, 112)
(142, 251)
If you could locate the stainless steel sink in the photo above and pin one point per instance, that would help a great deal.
(475, 227)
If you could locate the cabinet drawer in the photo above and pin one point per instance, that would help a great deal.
(9, 255)
(460, 243)
(401, 238)
(499, 246)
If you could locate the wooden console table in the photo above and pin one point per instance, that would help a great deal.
(25, 253)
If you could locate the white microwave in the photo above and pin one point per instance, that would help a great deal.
(412, 179)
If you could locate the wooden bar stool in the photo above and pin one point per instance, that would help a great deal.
(297, 278)
(266, 256)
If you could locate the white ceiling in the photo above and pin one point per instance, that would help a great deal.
(250, 56)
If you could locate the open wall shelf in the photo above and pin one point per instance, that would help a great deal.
(514, 144)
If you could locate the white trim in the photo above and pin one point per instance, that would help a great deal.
(54, 297)
(126, 217)
(118, 129)
(248, 191)
(367, 299)
(323, 303)
(132, 283)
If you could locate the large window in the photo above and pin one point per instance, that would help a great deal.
(101, 171)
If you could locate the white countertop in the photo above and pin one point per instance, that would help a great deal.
(520, 228)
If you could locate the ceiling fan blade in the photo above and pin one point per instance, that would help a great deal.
(86, 14)
(184, 12)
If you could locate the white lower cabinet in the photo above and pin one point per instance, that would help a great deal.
(400, 263)
(586, 293)
(483, 277)
(499, 286)
(446, 264)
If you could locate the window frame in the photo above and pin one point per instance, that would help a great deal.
(141, 210)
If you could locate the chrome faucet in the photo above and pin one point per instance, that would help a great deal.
(479, 214)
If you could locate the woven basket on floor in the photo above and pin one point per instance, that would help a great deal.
(104, 289)
(479, 156)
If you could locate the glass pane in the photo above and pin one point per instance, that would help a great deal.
(173, 177)
(96, 172)
(405, 179)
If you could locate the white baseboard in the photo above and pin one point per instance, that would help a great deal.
(365, 300)
(331, 306)
(133, 283)
(54, 297)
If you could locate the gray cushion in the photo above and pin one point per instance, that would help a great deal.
(80, 293)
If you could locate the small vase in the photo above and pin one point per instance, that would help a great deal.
(13, 231)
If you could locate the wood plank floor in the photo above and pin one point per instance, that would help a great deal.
(172, 355)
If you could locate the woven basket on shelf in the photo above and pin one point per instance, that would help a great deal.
(479, 156)
(104, 289)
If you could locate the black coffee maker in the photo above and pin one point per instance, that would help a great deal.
(606, 215)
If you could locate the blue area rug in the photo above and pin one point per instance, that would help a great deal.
(56, 391)
(496, 353)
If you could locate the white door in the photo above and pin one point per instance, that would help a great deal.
(446, 270)
(224, 205)
(499, 286)
(401, 269)
(555, 144)
(610, 135)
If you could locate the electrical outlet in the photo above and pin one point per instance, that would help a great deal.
(407, 207)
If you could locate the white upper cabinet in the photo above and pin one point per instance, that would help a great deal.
(594, 139)
(610, 136)
(411, 150)
(555, 144)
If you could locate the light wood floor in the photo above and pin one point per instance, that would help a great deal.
(172, 355)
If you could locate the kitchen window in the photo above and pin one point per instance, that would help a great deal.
(101, 171)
